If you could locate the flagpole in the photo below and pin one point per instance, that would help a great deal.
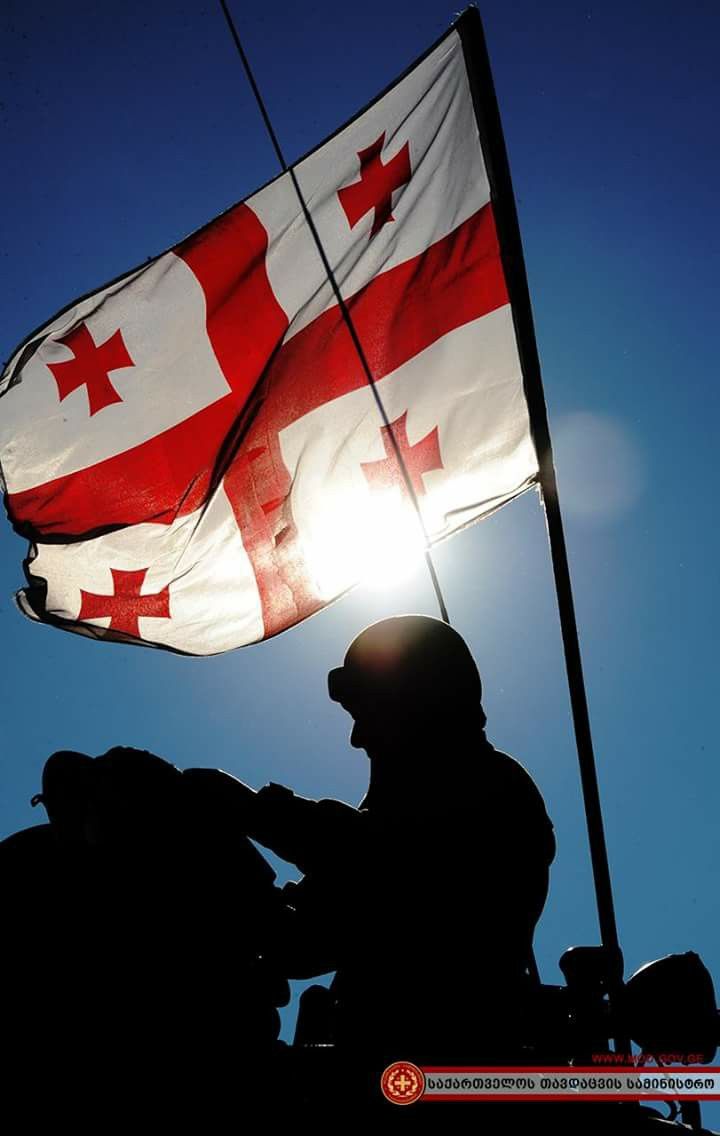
(487, 114)
(344, 310)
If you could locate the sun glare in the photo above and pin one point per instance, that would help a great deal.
(394, 546)
(381, 544)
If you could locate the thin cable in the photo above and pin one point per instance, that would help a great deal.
(347, 318)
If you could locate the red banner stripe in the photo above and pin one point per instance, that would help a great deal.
(245, 323)
(397, 315)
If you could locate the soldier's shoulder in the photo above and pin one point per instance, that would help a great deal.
(515, 783)
(511, 771)
(27, 840)
(28, 852)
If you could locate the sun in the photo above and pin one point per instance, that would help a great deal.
(394, 545)
(380, 542)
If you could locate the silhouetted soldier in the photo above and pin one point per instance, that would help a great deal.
(425, 898)
(190, 899)
(160, 911)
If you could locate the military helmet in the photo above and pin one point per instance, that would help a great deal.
(66, 780)
(408, 658)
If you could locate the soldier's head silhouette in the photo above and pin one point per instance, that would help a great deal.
(134, 794)
(413, 689)
(66, 789)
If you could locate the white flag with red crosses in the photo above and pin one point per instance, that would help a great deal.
(194, 450)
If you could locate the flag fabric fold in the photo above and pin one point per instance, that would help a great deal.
(194, 451)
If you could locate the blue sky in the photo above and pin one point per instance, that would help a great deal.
(124, 127)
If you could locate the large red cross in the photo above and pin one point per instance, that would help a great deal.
(126, 606)
(376, 186)
(419, 459)
(91, 367)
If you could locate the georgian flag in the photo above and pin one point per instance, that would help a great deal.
(194, 451)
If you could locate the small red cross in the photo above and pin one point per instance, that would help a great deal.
(126, 606)
(91, 366)
(376, 186)
(419, 459)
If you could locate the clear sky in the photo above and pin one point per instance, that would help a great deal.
(126, 126)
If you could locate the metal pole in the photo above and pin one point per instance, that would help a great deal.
(493, 144)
